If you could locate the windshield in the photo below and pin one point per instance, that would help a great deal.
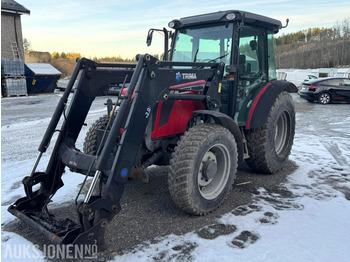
(204, 44)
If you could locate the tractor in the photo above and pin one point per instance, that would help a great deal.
(211, 104)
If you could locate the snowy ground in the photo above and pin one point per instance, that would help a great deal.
(303, 218)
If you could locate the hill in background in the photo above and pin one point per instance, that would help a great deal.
(315, 47)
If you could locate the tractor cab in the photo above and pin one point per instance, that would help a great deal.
(241, 40)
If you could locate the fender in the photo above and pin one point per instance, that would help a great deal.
(226, 121)
(263, 101)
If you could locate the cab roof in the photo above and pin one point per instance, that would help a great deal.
(221, 16)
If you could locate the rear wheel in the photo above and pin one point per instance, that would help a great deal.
(324, 98)
(270, 145)
(203, 168)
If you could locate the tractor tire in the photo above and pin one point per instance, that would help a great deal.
(270, 145)
(90, 143)
(203, 168)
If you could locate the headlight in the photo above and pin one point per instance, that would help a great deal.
(171, 24)
(230, 16)
(174, 24)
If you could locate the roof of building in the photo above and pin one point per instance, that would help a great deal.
(43, 69)
(11, 6)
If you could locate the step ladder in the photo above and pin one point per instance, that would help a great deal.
(15, 50)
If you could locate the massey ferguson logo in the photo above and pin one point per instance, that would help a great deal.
(185, 76)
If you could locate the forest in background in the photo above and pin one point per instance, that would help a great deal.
(315, 47)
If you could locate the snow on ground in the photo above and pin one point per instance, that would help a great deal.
(306, 219)
(308, 222)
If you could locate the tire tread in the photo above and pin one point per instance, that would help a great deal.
(181, 165)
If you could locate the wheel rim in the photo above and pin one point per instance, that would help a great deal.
(325, 98)
(214, 171)
(281, 132)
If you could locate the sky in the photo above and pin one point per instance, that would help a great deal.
(114, 27)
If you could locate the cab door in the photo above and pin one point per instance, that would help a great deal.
(253, 67)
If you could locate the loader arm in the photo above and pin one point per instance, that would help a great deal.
(150, 80)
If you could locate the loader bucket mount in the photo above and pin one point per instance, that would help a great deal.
(150, 80)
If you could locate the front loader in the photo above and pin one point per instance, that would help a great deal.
(212, 103)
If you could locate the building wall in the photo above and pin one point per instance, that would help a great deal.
(8, 35)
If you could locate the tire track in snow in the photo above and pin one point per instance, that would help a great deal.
(334, 150)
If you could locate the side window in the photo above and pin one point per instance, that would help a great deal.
(326, 83)
(336, 82)
(271, 54)
(248, 58)
(252, 50)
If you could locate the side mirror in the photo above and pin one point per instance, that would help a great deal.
(149, 37)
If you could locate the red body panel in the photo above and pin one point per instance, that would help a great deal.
(180, 112)
(172, 118)
(179, 116)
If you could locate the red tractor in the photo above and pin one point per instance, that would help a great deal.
(210, 104)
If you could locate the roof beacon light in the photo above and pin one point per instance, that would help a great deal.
(230, 16)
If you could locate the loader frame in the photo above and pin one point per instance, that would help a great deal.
(150, 80)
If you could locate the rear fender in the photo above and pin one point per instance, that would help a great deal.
(226, 121)
(263, 101)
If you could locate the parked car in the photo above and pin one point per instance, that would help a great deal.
(326, 90)
(297, 77)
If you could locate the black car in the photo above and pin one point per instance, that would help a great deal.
(326, 90)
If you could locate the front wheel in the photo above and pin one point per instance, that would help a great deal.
(203, 168)
(91, 142)
(270, 145)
